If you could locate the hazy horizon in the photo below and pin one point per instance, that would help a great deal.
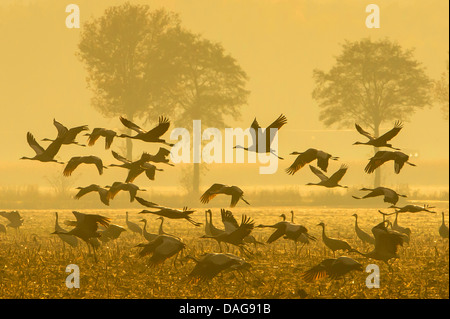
(277, 43)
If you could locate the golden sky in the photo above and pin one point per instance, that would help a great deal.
(277, 42)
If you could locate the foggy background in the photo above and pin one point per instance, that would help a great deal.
(277, 43)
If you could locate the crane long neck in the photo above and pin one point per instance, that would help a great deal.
(323, 232)
(145, 225)
(161, 231)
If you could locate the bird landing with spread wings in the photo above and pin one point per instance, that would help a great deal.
(382, 140)
(167, 212)
(216, 189)
(267, 134)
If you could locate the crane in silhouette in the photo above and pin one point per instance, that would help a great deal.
(161, 157)
(112, 232)
(14, 218)
(210, 229)
(267, 134)
(135, 228)
(235, 192)
(390, 196)
(145, 233)
(152, 136)
(74, 162)
(98, 132)
(162, 248)
(365, 237)
(68, 239)
(136, 168)
(414, 209)
(288, 230)
(405, 231)
(231, 225)
(116, 187)
(44, 155)
(87, 228)
(102, 192)
(382, 140)
(68, 135)
(333, 243)
(333, 180)
(443, 229)
(308, 156)
(334, 268)
(237, 236)
(382, 157)
(171, 213)
(386, 244)
(303, 238)
(210, 265)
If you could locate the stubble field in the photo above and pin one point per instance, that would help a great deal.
(33, 262)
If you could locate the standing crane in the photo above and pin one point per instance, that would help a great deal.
(145, 233)
(68, 239)
(135, 228)
(443, 229)
(365, 237)
(333, 243)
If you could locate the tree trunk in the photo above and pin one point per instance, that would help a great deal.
(196, 180)
(377, 177)
(129, 141)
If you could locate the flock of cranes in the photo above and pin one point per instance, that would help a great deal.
(385, 239)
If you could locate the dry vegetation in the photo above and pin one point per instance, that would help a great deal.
(32, 262)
